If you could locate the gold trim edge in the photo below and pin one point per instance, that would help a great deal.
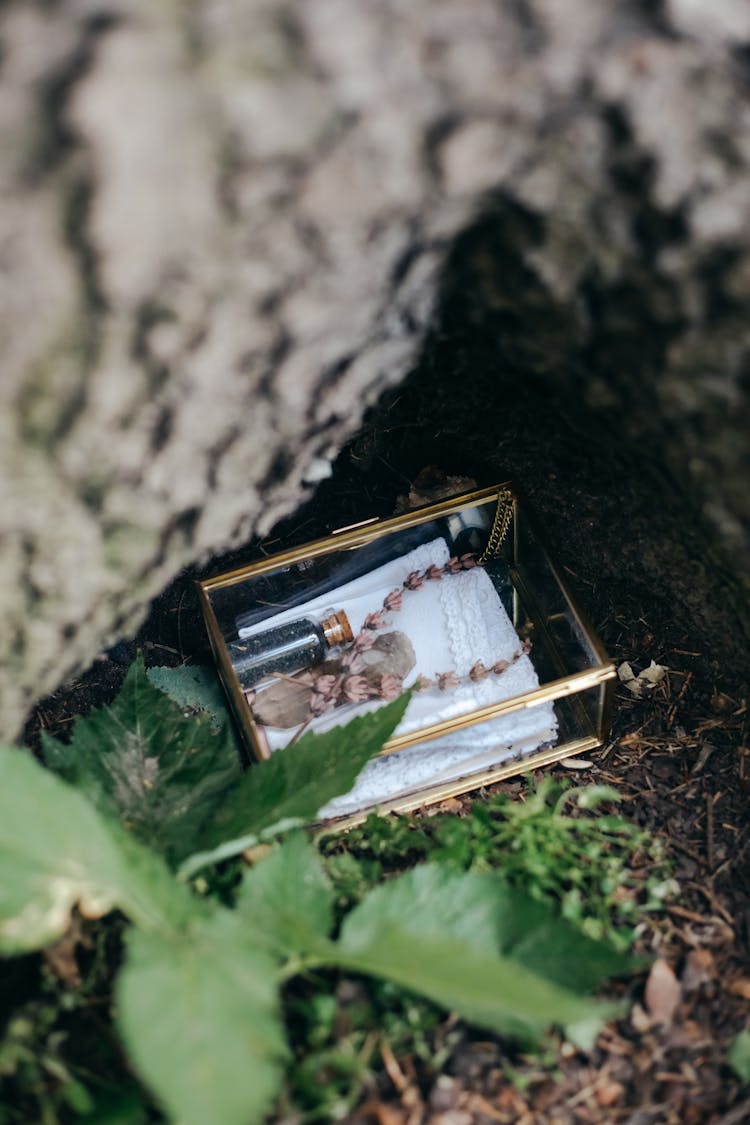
(467, 784)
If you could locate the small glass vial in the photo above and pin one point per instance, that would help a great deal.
(289, 647)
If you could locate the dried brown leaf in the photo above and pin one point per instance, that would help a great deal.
(663, 992)
(740, 986)
(700, 968)
(654, 674)
(608, 1093)
(640, 1019)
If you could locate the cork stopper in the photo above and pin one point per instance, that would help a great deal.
(337, 629)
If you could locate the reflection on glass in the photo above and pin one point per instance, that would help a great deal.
(487, 651)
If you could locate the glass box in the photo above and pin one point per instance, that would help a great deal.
(459, 602)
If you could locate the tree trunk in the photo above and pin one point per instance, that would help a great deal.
(223, 233)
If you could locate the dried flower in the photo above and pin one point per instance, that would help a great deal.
(447, 680)
(391, 686)
(468, 561)
(478, 671)
(325, 685)
(351, 661)
(356, 689)
(433, 573)
(392, 602)
(453, 566)
(423, 683)
(374, 620)
(527, 646)
(363, 641)
(320, 703)
(500, 666)
(413, 581)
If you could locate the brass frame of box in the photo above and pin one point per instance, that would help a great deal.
(601, 674)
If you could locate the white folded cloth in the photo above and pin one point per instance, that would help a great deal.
(452, 623)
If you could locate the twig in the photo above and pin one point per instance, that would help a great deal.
(671, 714)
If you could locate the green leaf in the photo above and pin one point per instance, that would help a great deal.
(590, 796)
(286, 901)
(142, 761)
(56, 851)
(479, 948)
(199, 1016)
(739, 1056)
(193, 688)
(291, 786)
(484, 911)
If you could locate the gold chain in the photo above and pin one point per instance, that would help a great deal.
(500, 526)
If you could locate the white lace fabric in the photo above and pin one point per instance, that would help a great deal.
(452, 623)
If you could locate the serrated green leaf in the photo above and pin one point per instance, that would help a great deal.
(477, 947)
(199, 1016)
(56, 851)
(485, 912)
(491, 991)
(141, 760)
(291, 786)
(738, 1056)
(286, 901)
(195, 688)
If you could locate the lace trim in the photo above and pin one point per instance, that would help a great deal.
(478, 627)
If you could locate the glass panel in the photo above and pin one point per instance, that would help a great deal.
(544, 608)
(313, 642)
(475, 756)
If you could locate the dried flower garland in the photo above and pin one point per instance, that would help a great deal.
(350, 685)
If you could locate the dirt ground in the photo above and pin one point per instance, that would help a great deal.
(634, 552)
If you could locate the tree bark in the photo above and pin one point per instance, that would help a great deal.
(223, 233)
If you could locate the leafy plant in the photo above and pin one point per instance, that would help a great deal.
(198, 998)
(196, 689)
(56, 1056)
(602, 871)
(738, 1056)
(177, 786)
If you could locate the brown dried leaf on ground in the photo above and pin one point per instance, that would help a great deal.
(663, 992)
(699, 969)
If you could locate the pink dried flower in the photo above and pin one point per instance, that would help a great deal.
(320, 703)
(423, 683)
(352, 661)
(500, 666)
(374, 620)
(468, 561)
(391, 686)
(478, 671)
(363, 641)
(392, 602)
(433, 573)
(325, 685)
(356, 689)
(447, 680)
(527, 646)
(413, 581)
(453, 566)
